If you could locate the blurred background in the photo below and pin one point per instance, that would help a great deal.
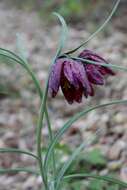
(19, 102)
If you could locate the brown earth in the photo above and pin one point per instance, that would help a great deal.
(19, 108)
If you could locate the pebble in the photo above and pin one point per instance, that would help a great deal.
(123, 173)
(120, 118)
(115, 150)
(30, 183)
(114, 165)
(11, 139)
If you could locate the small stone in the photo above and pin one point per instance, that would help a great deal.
(114, 165)
(39, 180)
(2, 145)
(123, 173)
(119, 129)
(104, 172)
(116, 149)
(120, 118)
(30, 183)
(11, 139)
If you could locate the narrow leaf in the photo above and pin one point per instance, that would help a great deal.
(98, 30)
(15, 150)
(68, 163)
(64, 31)
(87, 61)
(15, 170)
(71, 121)
(45, 95)
(105, 178)
(16, 59)
(21, 47)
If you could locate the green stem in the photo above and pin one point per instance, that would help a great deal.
(40, 125)
(44, 99)
(51, 138)
(62, 41)
(39, 153)
(39, 140)
(43, 105)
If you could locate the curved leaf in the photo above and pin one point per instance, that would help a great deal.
(98, 30)
(67, 164)
(26, 66)
(68, 124)
(15, 170)
(21, 49)
(86, 61)
(64, 32)
(105, 178)
(15, 150)
(45, 95)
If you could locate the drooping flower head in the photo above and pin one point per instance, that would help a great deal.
(95, 73)
(70, 75)
(76, 78)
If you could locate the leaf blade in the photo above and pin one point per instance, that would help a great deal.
(64, 31)
(15, 170)
(15, 150)
(67, 164)
(71, 121)
(98, 30)
(105, 178)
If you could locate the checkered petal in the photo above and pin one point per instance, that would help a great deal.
(54, 79)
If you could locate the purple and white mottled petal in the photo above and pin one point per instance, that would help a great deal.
(106, 71)
(94, 75)
(54, 79)
(68, 70)
(87, 54)
(80, 74)
(68, 64)
(103, 70)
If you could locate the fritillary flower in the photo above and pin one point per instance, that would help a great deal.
(76, 78)
(95, 73)
(71, 76)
